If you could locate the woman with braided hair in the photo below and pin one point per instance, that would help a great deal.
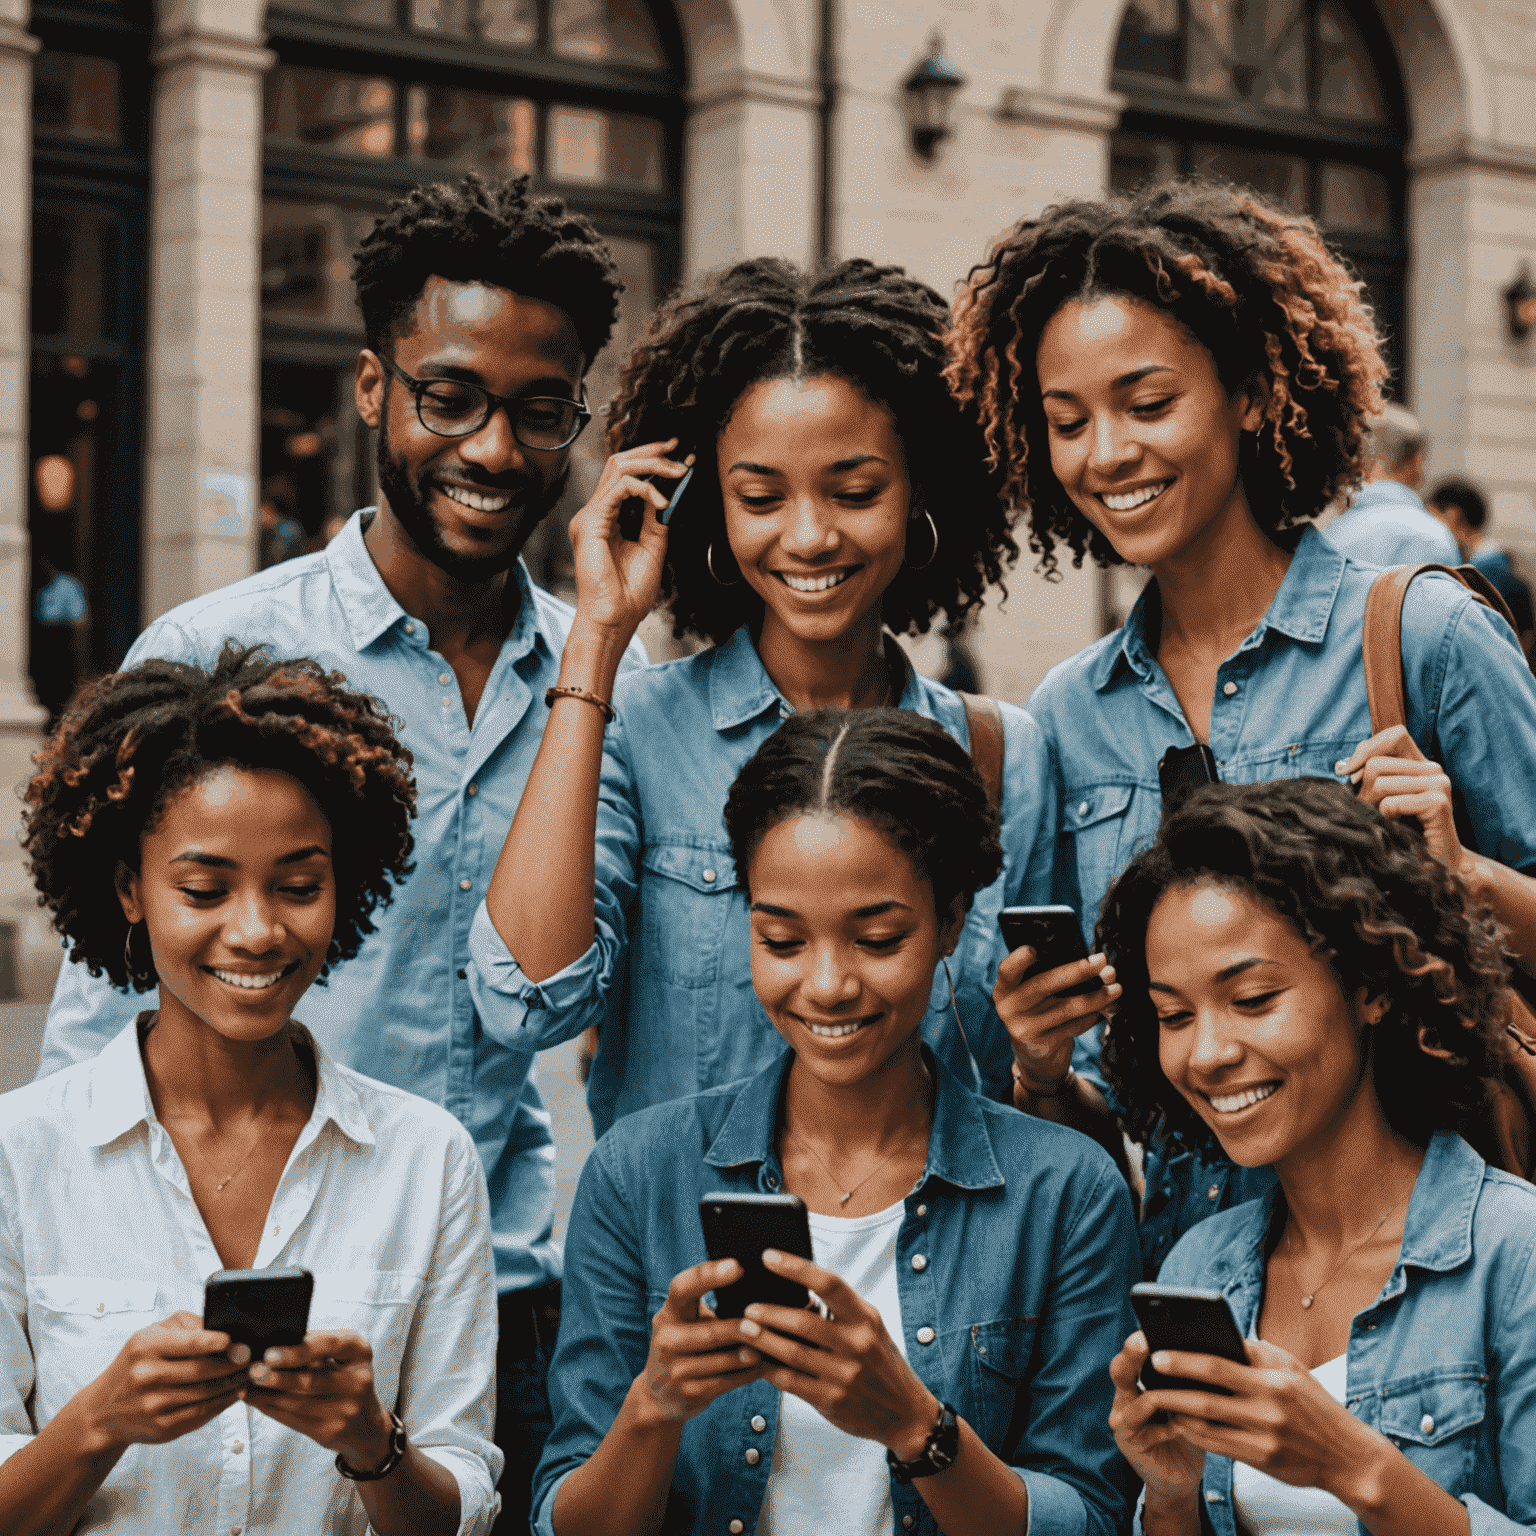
(1182, 382)
(838, 495)
(226, 835)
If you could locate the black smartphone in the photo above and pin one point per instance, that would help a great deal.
(259, 1307)
(1198, 1322)
(1182, 769)
(739, 1227)
(633, 510)
(1056, 938)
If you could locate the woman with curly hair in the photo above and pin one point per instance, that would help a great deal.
(227, 836)
(955, 1378)
(1183, 382)
(837, 495)
(1306, 986)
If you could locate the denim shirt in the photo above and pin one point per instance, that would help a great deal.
(1387, 524)
(402, 1011)
(1443, 1362)
(1289, 702)
(669, 974)
(1013, 1268)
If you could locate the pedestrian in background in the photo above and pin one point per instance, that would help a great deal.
(1385, 522)
(838, 498)
(1463, 508)
(484, 307)
(1184, 382)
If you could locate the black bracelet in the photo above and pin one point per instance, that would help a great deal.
(392, 1459)
(938, 1455)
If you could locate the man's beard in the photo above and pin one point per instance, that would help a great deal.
(414, 514)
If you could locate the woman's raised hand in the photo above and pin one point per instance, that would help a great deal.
(1399, 780)
(167, 1380)
(618, 579)
(1158, 1452)
(1042, 1025)
(845, 1366)
(694, 1357)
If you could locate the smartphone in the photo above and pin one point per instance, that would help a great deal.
(1056, 938)
(1198, 1322)
(739, 1227)
(633, 510)
(259, 1307)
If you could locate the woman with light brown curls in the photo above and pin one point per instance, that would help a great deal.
(1182, 382)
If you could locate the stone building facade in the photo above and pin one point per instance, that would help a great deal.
(182, 179)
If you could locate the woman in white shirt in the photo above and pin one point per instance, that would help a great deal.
(255, 815)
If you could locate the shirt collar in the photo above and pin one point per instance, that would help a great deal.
(117, 1098)
(959, 1146)
(740, 688)
(1384, 493)
(1300, 609)
(370, 607)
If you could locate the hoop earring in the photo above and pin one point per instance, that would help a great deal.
(935, 551)
(134, 974)
(709, 561)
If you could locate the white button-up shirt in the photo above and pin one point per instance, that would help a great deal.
(383, 1200)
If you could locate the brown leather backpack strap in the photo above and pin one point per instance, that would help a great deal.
(1382, 636)
(985, 720)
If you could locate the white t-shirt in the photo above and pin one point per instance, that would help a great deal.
(1264, 1506)
(824, 1482)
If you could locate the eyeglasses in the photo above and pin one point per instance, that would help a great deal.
(451, 408)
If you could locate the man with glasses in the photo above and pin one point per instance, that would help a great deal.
(484, 306)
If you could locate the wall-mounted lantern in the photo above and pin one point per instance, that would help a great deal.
(1520, 304)
(928, 94)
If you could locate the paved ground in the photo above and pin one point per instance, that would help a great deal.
(21, 1033)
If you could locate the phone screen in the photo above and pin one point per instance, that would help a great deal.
(259, 1307)
(739, 1227)
(1197, 1322)
(1056, 938)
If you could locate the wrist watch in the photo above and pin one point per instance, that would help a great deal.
(936, 1456)
(392, 1457)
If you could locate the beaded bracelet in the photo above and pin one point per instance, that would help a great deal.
(1035, 1091)
(551, 694)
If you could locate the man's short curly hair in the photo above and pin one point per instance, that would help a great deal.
(131, 741)
(1371, 902)
(873, 326)
(1256, 286)
(893, 768)
(496, 232)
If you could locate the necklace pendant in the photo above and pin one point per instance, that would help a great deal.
(1306, 1301)
(844, 1199)
(219, 1187)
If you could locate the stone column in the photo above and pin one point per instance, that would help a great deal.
(201, 480)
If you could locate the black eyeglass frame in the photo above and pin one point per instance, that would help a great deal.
(509, 403)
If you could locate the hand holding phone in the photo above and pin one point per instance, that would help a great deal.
(633, 510)
(1195, 1321)
(1056, 937)
(740, 1227)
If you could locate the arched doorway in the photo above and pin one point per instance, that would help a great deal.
(1299, 99)
(369, 97)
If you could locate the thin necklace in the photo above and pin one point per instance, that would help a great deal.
(245, 1158)
(836, 1182)
(1306, 1300)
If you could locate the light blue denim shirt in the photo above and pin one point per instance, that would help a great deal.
(669, 975)
(403, 1010)
(1289, 701)
(1387, 524)
(1443, 1362)
(1013, 1269)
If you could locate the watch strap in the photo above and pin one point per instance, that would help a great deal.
(938, 1455)
(392, 1459)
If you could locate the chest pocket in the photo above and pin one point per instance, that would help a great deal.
(1097, 821)
(685, 900)
(996, 1369)
(380, 1304)
(88, 1310)
(1434, 1423)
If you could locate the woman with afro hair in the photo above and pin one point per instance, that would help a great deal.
(838, 497)
(1182, 382)
(1306, 985)
(226, 835)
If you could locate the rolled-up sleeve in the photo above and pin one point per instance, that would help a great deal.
(534, 1015)
(18, 1373)
(448, 1372)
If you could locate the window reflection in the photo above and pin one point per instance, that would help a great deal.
(74, 272)
(1281, 178)
(1354, 200)
(321, 109)
(306, 260)
(1151, 40)
(513, 23)
(605, 148)
(1346, 83)
(466, 129)
(1255, 50)
(605, 32)
(77, 97)
(1136, 162)
(368, 13)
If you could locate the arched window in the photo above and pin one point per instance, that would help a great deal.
(1299, 99)
(369, 97)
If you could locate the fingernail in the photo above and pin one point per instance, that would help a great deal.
(754, 1310)
(1107, 975)
(747, 1357)
(772, 1256)
(750, 1328)
(723, 1268)
(1097, 959)
(1160, 1360)
(1355, 778)
(1114, 987)
(1342, 766)
(240, 1353)
(273, 1357)
(259, 1372)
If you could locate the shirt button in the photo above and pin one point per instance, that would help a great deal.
(410, 629)
(101, 1307)
(753, 1455)
(1229, 689)
(709, 877)
(236, 1448)
(277, 1231)
(922, 1210)
(1212, 1497)
(1426, 1425)
(908, 1521)
(735, 1528)
(784, 711)
(773, 1181)
(442, 680)
(464, 885)
(1082, 810)
(463, 975)
(1214, 1192)
(925, 1335)
(919, 1263)
(474, 789)
(759, 1423)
